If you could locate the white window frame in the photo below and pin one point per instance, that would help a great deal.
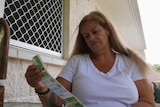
(26, 53)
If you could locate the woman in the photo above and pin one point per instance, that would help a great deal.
(101, 71)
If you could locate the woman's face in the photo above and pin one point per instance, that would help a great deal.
(95, 36)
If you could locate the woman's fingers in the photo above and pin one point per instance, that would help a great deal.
(33, 75)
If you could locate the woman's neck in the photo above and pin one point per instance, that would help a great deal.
(103, 55)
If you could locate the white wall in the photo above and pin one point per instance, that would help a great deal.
(125, 16)
(2, 3)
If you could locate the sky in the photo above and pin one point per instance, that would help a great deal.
(150, 18)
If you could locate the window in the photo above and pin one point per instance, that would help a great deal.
(35, 25)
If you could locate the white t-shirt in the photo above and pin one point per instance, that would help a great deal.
(115, 88)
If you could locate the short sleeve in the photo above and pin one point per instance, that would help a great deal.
(136, 73)
(69, 69)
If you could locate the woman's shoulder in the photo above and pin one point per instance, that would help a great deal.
(122, 56)
(125, 63)
(79, 57)
(125, 60)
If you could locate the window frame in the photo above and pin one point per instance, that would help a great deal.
(50, 57)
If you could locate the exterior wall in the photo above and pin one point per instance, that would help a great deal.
(78, 8)
(2, 3)
(16, 87)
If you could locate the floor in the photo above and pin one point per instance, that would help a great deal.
(18, 104)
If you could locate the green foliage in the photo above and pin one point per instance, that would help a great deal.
(156, 67)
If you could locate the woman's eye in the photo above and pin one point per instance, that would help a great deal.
(94, 32)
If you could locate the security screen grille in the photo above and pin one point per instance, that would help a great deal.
(35, 23)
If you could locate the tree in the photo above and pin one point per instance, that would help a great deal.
(156, 67)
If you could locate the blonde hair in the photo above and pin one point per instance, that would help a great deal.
(115, 43)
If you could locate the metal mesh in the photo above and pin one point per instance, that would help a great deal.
(36, 22)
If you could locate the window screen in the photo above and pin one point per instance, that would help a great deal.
(36, 23)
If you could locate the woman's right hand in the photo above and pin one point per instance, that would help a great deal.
(33, 76)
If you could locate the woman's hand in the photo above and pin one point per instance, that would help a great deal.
(33, 76)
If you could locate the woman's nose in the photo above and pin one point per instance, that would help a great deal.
(91, 37)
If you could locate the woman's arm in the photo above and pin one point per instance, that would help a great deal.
(51, 99)
(48, 98)
(146, 96)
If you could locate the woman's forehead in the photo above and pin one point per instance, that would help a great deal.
(88, 26)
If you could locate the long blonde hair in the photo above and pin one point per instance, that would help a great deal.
(115, 43)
